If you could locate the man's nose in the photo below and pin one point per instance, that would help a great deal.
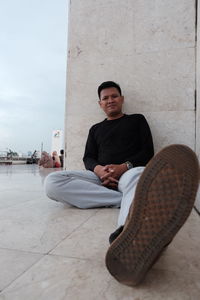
(110, 99)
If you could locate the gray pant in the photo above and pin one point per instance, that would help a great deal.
(83, 189)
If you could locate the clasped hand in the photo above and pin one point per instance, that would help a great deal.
(110, 174)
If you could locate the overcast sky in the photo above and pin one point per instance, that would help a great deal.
(33, 50)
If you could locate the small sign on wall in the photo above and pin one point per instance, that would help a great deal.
(57, 141)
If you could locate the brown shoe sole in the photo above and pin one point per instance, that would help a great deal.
(163, 200)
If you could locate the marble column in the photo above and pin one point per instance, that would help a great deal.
(149, 48)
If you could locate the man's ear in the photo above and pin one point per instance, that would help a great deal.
(122, 99)
(99, 103)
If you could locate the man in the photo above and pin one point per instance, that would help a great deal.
(119, 142)
(154, 201)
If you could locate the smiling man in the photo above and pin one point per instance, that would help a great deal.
(154, 200)
(118, 143)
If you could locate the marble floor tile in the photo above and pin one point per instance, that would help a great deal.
(29, 184)
(183, 254)
(158, 285)
(14, 263)
(58, 278)
(23, 177)
(38, 226)
(53, 251)
(90, 241)
(14, 197)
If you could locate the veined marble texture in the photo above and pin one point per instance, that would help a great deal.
(52, 251)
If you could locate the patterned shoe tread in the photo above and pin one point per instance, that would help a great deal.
(164, 198)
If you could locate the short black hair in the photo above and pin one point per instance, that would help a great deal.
(108, 84)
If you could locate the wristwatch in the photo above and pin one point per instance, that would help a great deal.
(129, 165)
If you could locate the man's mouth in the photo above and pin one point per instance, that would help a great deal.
(111, 106)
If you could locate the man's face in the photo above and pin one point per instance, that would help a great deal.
(111, 102)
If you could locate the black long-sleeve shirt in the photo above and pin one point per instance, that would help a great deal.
(116, 141)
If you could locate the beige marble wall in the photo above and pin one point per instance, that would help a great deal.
(146, 46)
(198, 97)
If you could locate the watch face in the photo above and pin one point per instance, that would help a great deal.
(129, 165)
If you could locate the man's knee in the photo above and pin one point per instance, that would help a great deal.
(51, 184)
(130, 178)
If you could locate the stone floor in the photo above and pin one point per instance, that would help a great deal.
(49, 250)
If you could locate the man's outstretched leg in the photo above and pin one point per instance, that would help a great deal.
(163, 200)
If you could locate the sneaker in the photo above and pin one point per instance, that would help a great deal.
(115, 234)
(164, 198)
